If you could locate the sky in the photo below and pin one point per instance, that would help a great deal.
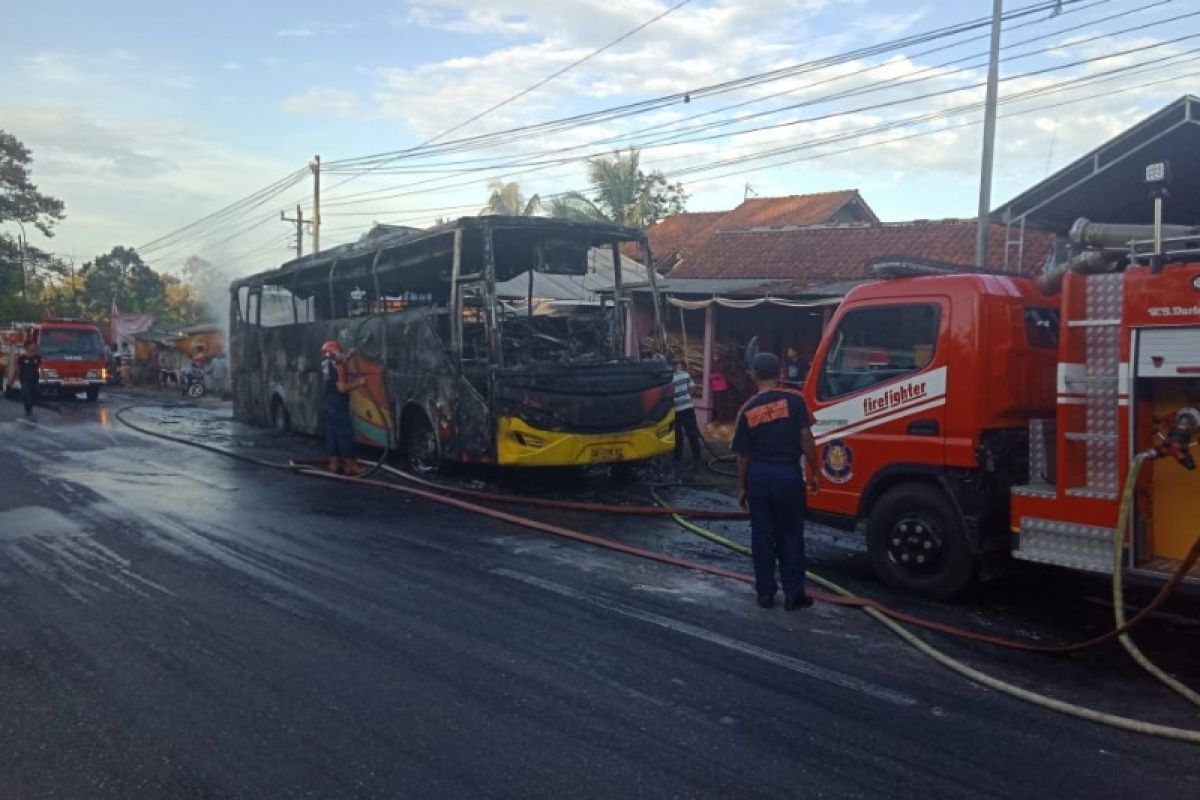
(146, 117)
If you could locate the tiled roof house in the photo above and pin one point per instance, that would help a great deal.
(808, 257)
(673, 240)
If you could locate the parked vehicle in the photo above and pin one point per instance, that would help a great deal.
(73, 356)
(452, 373)
(963, 419)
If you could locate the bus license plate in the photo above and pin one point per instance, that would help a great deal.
(608, 453)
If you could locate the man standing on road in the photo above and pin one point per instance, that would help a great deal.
(339, 430)
(773, 429)
(29, 370)
(685, 413)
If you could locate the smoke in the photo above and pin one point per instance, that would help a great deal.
(209, 284)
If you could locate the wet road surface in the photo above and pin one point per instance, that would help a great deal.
(174, 624)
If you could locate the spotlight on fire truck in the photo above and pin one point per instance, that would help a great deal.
(1158, 175)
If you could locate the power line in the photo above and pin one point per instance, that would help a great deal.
(674, 137)
(823, 117)
(523, 132)
(542, 82)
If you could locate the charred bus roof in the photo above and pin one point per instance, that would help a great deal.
(516, 243)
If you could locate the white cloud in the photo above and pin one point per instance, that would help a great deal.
(124, 183)
(322, 99)
(309, 30)
(123, 55)
(230, 66)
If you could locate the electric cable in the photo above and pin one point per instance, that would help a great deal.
(543, 81)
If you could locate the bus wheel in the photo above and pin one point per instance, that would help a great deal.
(421, 448)
(93, 394)
(917, 544)
(280, 419)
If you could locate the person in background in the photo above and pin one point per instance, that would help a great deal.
(796, 369)
(126, 361)
(685, 413)
(29, 370)
(773, 430)
(153, 364)
(339, 429)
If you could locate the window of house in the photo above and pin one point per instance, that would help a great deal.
(876, 345)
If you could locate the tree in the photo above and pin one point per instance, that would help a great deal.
(507, 200)
(20, 199)
(121, 277)
(622, 194)
(22, 203)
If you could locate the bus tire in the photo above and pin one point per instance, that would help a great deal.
(93, 394)
(917, 542)
(281, 420)
(419, 443)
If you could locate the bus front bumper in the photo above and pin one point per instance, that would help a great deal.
(522, 445)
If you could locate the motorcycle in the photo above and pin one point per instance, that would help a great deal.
(193, 382)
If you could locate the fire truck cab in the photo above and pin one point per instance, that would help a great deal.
(964, 419)
(922, 390)
(73, 358)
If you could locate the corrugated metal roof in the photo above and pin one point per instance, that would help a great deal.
(579, 288)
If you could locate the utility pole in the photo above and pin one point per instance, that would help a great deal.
(315, 224)
(299, 221)
(989, 137)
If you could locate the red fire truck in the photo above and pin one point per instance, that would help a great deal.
(963, 419)
(73, 357)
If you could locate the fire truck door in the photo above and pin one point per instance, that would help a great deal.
(880, 396)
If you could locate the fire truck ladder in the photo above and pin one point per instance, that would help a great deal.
(1071, 544)
(1101, 386)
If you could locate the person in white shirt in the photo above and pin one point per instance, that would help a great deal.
(685, 413)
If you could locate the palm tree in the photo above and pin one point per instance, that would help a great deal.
(507, 200)
(620, 192)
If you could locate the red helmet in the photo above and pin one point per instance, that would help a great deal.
(331, 347)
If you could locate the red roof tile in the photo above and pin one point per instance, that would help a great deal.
(816, 255)
(678, 236)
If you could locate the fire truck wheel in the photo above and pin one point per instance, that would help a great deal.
(917, 543)
(93, 394)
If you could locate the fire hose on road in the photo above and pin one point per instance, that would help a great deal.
(838, 596)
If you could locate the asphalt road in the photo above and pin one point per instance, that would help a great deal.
(174, 624)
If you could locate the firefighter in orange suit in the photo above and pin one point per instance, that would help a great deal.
(339, 430)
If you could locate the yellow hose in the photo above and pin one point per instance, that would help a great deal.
(970, 673)
(1118, 591)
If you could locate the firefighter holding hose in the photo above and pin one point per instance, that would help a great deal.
(339, 430)
(773, 430)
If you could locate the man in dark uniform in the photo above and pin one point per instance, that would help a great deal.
(29, 370)
(339, 429)
(773, 429)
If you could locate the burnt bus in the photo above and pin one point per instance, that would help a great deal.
(456, 367)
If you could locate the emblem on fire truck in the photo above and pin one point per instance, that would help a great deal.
(837, 461)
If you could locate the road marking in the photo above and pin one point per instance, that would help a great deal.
(778, 659)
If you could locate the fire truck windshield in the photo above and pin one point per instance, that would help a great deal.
(70, 342)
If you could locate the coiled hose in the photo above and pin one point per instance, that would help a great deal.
(1118, 587)
(885, 616)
